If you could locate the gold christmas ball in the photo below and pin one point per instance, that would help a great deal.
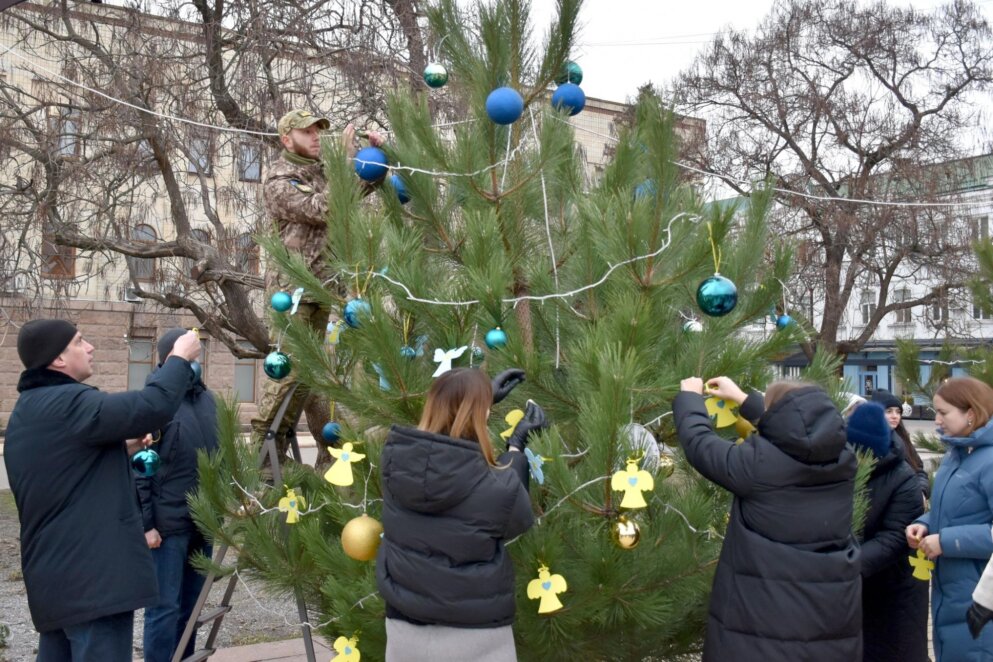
(666, 465)
(360, 538)
(626, 533)
(743, 427)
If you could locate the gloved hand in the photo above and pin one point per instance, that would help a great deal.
(534, 419)
(505, 382)
(977, 617)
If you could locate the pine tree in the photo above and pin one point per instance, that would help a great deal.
(592, 288)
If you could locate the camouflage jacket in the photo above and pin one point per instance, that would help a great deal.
(295, 198)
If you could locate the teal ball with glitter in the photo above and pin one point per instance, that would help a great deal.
(331, 432)
(717, 296)
(496, 338)
(145, 462)
(276, 365)
(355, 311)
(435, 75)
(784, 321)
(281, 302)
(571, 73)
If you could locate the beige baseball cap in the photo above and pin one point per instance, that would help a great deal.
(300, 119)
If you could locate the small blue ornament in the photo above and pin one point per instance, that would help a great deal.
(408, 352)
(784, 321)
(504, 105)
(569, 97)
(370, 163)
(496, 338)
(197, 370)
(477, 353)
(281, 302)
(145, 462)
(646, 189)
(331, 432)
(717, 296)
(355, 310)
(403, 195)
(276, 365)
(571, 73)
(435, 75)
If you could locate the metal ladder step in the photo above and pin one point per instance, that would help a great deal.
(200, 655)
(210, 615)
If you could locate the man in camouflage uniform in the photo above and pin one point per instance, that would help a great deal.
(295, 198)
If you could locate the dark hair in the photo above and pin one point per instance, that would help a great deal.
(457, 405)
(776, 390)
(968, 393)
(913, 459)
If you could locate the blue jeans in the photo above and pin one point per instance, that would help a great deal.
(179, 588)
(105, 639)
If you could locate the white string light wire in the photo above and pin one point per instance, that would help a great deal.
(551, 247)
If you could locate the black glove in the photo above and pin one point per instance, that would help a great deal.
(505, 382)
(534, 419)
(977, 617)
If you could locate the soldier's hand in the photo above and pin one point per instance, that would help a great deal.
(348, 141)
(375, 138)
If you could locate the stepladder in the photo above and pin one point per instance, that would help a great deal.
(201, 616)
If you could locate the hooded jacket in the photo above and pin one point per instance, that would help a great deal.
(163, 496)
(984, 589)
(961, 513)
(446, 514)
(83, 550)
(787, 585)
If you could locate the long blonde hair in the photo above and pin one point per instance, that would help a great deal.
(458, 405)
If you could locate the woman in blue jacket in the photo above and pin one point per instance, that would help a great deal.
(956, 533)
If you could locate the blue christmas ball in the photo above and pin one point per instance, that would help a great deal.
(435, 75)
(370, 163)
(717, 296)
(276, 365)
(281, 302)
(197, 370)
(496, 338)
(402, 193)
(784, 321)
(355, 310)
(504, 105)
(408, 352)
(569, 97)
(145, 462)
(571, 73)
(331, 432)
(646, 189)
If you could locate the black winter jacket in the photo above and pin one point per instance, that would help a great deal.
(83, 550)
(163, 496)
(894, 604)
(446, 514)
(787, 585)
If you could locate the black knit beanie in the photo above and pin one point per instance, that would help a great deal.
(868, 429)
(41, 341)
(166, 342)
(886, 399)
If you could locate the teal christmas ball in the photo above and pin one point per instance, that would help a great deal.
(403, 195)
(570, 98)
(504, 105)
(331, 432)
(145, 462)
(355, 310)
(435, 75)
(276, 365)
(408, 352)
(370, 164)
(281, 302)
(717, 296)
(784, 321)
(496, 338)
(197, 370)
(571, 73)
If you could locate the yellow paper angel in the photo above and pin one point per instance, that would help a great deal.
(632, 481)
(922, 566)
(512, 418)
(722, 412)
(340, 472)
(347, 649)
(546, 587)
(291, 505)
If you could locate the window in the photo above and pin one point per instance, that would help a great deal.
(981, 228)
(140, 362)
(905, 315)
(57, 261)
(980, 314)
(199, 157)
(143, 268)
(245, 377)
(249, 163)
(204, 358)
(939, 310)
(204, 238)
(867, 305)
(66, 126)
(246, 255)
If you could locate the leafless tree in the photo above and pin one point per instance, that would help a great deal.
(845, 101)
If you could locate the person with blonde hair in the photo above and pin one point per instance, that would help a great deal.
(787, 585)
(955, 534)
(448, 506)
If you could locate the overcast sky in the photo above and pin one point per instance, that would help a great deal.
(624, 43)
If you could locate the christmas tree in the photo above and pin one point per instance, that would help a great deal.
(501, 259)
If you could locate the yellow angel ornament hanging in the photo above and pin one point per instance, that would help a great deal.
(340, 472)
(546, 587)
(291, 505)
(632, 481)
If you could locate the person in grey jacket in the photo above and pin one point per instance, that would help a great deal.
(85, 563)
(787, 585)
(448, 507)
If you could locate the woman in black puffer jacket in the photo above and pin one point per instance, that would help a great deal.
(894, 603)
(448, 507)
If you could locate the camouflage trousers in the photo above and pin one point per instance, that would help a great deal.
(274, 392)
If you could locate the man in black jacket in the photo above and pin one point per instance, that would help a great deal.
(83, 554)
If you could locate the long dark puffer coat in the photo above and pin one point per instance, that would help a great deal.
(787, 587)
(446, 515)
(894, 603)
